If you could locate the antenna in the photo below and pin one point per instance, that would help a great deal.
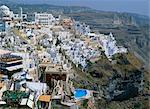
(21, 13)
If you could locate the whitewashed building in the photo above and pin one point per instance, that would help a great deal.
(44, 19)
(109, 45)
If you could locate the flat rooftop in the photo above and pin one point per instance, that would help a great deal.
(3, 52)
(55, 70)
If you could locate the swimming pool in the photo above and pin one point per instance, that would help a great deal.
(79, 93)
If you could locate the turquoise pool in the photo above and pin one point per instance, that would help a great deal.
(79, 93)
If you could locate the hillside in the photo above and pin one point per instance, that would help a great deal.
(131, 30)
(127, 73)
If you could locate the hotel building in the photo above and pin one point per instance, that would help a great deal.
(44, 19)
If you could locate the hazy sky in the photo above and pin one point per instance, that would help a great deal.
(133, 6)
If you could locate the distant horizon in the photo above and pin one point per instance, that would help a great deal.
(126, 6)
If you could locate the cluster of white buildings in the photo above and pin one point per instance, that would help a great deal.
(106, 42)
(39, 18)
(109, 45)
(8, 16)
(78, 49)
(79, 52)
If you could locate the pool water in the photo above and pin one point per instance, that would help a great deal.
(79, 93)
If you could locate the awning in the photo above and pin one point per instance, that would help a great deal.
(14, 67)
(14, 61)
(45, 98)
(1, 85)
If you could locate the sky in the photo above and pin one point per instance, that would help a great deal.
(132, 6)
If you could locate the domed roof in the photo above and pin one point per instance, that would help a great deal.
(4, 7)
(5, 10)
